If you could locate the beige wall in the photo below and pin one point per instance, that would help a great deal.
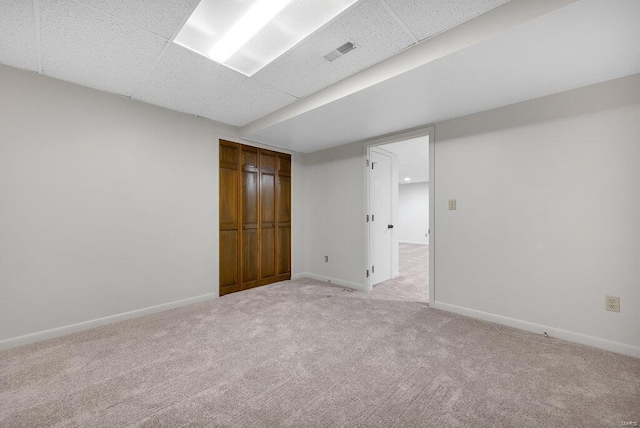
(110, 206)
(546, 222)
(334, 209)
(547, 214)
(107, 206)
(413, 213)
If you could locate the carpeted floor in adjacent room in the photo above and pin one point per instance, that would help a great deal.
(413, 283)
(303, 353)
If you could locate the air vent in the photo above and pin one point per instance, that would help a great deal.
(332, 56)
(346, 48)
(340, 51)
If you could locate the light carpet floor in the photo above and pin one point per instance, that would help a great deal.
(411, 286)
(300, 354)
(413, 283)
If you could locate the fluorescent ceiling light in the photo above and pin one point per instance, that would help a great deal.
(407, 179)
(246, 35)
(258, 16)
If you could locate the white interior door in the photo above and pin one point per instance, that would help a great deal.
(380, 225)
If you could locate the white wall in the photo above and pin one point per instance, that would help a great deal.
(547, 214)
(546, 225)
(107, 206)
(413, 213)
(334, 214)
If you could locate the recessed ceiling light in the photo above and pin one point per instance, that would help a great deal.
(247, 35)
(407, 179)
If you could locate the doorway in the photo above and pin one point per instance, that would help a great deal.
(399, 196)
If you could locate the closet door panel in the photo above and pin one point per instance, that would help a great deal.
(284, 199)
(250, 259)
(229, 154)
(268, 160)
(229, 217)
(250, 243)
(268, 165)
(267, 198)
(229, 275)
(284, 253)
(249, 198)
(249, 157)
(228, 197)
(268, 259)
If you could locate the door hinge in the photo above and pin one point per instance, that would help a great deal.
(373, 269)
(367, 162)
(367, 218)
(367, 273)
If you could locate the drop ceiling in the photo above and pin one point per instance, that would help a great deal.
(413, 159)
(299, 101)
(126, 47)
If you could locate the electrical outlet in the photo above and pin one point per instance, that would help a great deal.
(452, 204)
(612, 303)
(326, 259)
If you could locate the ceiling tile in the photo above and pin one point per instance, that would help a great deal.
(303, 70)
(427, 18)
(161, 17)
(249, 101)
(91, 48)
(18, 35)
(186, 81)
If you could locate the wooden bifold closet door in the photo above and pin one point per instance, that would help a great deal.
(255, 217)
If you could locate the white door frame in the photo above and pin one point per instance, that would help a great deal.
(392, 138)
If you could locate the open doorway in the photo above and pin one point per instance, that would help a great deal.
(399, 226)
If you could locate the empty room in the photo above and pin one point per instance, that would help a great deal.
(319, 213)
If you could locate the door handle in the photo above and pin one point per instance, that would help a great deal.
(389, 226)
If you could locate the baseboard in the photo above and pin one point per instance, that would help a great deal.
(413, 243)
(395, 275)
(583, 339)
(13, 342)
(336, 281)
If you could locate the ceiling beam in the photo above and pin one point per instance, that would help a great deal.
(483, 27)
